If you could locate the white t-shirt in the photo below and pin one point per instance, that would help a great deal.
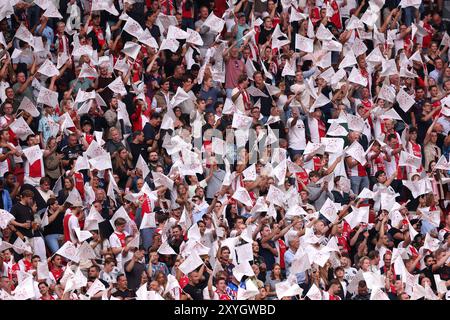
(73, 224)
(115, 243)
(297, 136)
(207, 239)
(345, 11)
(391, 166)
(313, 125)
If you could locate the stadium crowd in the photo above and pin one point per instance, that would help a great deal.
(224, 150)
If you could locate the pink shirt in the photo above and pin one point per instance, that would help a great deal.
(233, 69)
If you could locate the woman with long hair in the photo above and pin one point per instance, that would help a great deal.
(122, 166)
(275, 277)
(68, 186)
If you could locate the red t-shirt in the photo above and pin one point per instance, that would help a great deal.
(303, 176)
(57, 273)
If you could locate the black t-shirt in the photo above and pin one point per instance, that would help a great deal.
(134, 277)
(155, 32)
(71, 152)
(266, 102)
(149, 132)
(124, 294)
(175, 83)
(196, 292)
(427, 272)
(138, 149)
(279, 125)
(268, 256)
(23, 214)
(56, 226)
(98, 123)
(264, 35)
(392, 232)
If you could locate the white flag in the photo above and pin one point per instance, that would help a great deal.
(117, 86)
(357, 216)
(179, 97)
(29, 107)
(170, 44)
(387, 93)
(133, 27)
(102, 162)
(83, 96)
(409, 160)
(82, 235)
(69, 251)
(356, 151)
(48, 69)
(356, 77)
(5, 218)
(214, 23)
(25, 35)
(404, 100)
(176, 33)
(314, 293)
(87, 72)
(21, 128)
(304, 44)
(33, 153)
(194, 37)
(241, 122)
(323, 33)
(132, 49)
(241, 195)
(47, 97)
(95, 287)
(443, 163)
(349, 60)
(191, 263)
(329, 210)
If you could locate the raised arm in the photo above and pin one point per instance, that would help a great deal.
(429, 131)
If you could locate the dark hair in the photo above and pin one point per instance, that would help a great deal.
(200, 221)
(155, 115)
(51, 201)
(338, 268)
(195, 67)
(378, 173)
(412, 130)
(137, 133)
(120, 221)
(427, 257)
(391, 136)
(242, 78)
(45, 180)
(334, 281)
(27, 193)
(177, 227)
(373, 254)
(222, 249)
(165, 80)
(314, 173)
(96, 267)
